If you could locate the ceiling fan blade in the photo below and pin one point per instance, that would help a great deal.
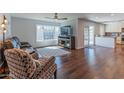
(56, 17)
(49, 18)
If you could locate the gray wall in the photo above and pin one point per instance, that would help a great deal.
(25, 29)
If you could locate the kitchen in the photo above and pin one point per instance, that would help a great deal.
(114, 35)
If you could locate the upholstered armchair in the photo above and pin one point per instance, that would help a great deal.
(22, 65)
(16, 43)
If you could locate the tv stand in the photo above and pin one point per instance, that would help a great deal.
(66, 41)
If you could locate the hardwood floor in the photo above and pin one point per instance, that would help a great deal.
(92, 63)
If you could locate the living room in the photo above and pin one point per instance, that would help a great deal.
(21, 24)
(69, 38)
(78, 22)
(61, 46)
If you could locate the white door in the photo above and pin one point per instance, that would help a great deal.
(88, 36)
(91, 35)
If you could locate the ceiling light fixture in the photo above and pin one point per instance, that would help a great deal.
(3, 26)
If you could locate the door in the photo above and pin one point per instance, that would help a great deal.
(86, 36)
(89, 36)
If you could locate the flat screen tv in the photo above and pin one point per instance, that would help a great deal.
(66, 30)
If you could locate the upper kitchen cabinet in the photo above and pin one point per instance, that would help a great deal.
(113, 27)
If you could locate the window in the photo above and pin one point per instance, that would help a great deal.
(46, 32)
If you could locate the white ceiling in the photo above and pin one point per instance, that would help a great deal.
(97, 17)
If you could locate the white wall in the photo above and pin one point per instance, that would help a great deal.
(25, 29)
(8, 33)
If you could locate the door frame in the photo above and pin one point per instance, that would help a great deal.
(88, 27)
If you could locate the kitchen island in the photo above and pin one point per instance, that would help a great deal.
(105, 41)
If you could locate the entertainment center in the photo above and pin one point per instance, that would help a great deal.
(66, 38)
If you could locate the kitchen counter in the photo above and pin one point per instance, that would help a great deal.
(105, 41)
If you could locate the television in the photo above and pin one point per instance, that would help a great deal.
(66, 31)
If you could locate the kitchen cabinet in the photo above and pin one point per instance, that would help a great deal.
(113, 27)
(105, 41)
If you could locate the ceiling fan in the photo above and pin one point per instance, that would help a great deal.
(56, 17)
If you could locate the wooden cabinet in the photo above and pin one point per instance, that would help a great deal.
(67, 41)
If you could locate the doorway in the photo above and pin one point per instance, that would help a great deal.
(89, 36)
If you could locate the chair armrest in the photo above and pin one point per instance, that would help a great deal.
(44, 68)
(45, 61)
(25, 44)
(47, 58)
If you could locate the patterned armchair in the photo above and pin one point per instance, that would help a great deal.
(11, 43)
(23, 66)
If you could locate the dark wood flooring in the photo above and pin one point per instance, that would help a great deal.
(92, 63)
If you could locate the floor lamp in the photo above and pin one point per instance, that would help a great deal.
(3, 26)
